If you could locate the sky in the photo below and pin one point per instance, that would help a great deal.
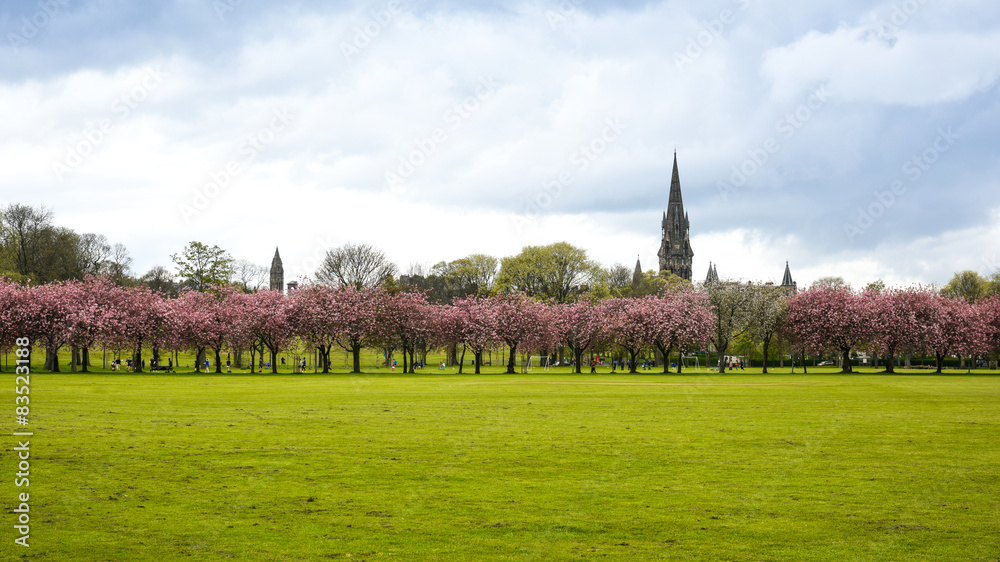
(855, 139)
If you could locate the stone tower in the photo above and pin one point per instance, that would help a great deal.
(787, 284)
(637, 275)
(675, 252)
(277, 273)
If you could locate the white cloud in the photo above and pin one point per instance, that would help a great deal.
(913, 68)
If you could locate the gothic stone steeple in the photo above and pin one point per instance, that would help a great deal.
(786, 282)
(277, 273)
(637, 274)
(675, 252)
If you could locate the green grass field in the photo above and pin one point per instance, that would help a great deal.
(547, 465)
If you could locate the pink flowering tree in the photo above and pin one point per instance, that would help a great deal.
(476, 326)
(693, 324)
(579, 325)
(273, 327)
(631, 324)
(358, 311)
(404, 321)
(824, 318)
(516, 320)
(90, 319)
(315, 317)
(894, 322)
(15, 317)
(48, 309)
(137, 318)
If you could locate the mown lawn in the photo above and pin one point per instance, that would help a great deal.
(546, 465)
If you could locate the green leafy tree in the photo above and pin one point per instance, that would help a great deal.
(201, 266)
(967, 285)
(559, 271)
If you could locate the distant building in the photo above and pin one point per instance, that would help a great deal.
(786, 282)
(277, 273)
(636, 275)
(713, 274)
(676, 255)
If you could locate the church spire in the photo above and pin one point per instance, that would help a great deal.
(277, 273)
(675, 249)
(786, 281)
(637, 274)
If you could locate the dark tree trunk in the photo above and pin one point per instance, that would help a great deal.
(356, 353)
(767, 344)
(510, 360)
(479, 361)
(846, 359)
(577, 358)
(218, 361)
(74, 358)
(890, 361)
(680, 360)
(274, 360)
(137, 360)
(85, 359)
(461, 362)
(631, 363)
(940, 360)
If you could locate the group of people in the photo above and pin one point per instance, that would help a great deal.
(116, 364)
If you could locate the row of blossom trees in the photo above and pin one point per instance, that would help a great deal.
(890, 322)
(81, 314)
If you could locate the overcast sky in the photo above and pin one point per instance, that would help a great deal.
(849, 138)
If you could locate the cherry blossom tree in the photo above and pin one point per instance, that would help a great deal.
(825, 318)
(516, 319)
(692, 323)
(405, 321)
(630, 323)
(89, 319)
(476, 326)
(897, 317)
(579, 325)
(49, 308)
(138, 317)
(315, 317)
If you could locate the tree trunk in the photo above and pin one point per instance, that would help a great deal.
(680, 360)
(479, 361)
(274, 361)
(631, 363)
(218, 361)
(511, 361)
(137, 360)
(846, 361)
(577, 358)
(767, 344)
(940, 360)
(85, 359)
(324, 351)
(356, 352)
(461, 362)
(74, 359)
(890, 362)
